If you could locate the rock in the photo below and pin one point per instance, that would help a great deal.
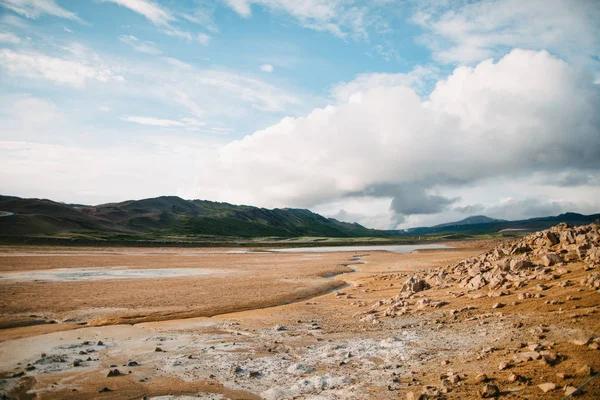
(551, 238)
(104, 390)
(414, 285)
(300, 369)
(520, 265)
(476, 282)
(498, 305)
(503, 365)
(133, 364)
(581, 342)
(547, 387)
(488, 390)
(279, 328)
(550, 259)
(561, 375)
(481, 378)
(584, 371)
(513, 378)
(113, 373)
(100, 343)
(526, 356)
(454, 378)
(542, 287)
(158, 350)
(77, 362)
(572, 391)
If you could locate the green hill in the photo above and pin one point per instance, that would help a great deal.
(168, 216)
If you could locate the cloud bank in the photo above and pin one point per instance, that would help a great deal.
(527, 113)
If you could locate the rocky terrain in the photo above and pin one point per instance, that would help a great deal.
(532, 272)
(503, 319)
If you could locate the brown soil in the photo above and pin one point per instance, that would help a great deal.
(329, 332)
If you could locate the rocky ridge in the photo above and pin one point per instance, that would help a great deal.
(534, 261)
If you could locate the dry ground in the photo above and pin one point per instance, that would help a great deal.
(320, 346)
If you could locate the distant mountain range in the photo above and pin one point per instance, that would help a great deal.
(169, 218)
(482, 225)
(168, 215)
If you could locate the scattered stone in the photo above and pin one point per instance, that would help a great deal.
(104, 390)
(158, 350)
(547, 387)
(77, 362)
(572, 391)
(481, 378)
(498, 305)
(488, 390)
(113, 373)
(503, 365)
(584, 371)
(581, 342)
(133, 364)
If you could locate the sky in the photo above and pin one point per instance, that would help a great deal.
(389, 113)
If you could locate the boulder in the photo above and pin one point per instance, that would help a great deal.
(550, 259)
(476, 282)
(414, 285)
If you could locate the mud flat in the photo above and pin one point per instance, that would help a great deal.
(342, 345)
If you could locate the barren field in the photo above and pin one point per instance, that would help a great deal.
(283, 326)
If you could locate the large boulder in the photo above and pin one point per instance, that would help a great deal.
(414, 285)
(550, 259)
(476, 282)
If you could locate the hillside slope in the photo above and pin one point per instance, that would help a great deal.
(169, 215)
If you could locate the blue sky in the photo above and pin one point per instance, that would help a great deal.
(389, 113)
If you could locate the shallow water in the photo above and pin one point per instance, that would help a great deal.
(405, 248)
(104, 273)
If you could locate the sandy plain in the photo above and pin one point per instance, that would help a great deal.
(265, 325)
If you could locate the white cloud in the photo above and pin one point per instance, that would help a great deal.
(60, 71)
(468, 32)
(529, 112)
(36, 8)
(9, 37)
(152, 11)
(164, 123)
(414, 79)
(242, 7)
(203, 38)
(141, 46)
(164, 18)
(14, 21)
(338, 17)
(261, 95)
(266, 68)
(177, 63)
(67, 29)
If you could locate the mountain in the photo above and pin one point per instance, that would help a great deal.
(473, 220)
(482, 225)
(167, 216)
